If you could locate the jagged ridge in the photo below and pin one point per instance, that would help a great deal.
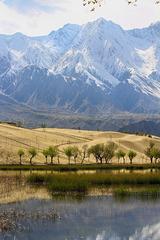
(94, 67)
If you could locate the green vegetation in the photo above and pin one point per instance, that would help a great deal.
(60, 183)
(97, 151)
(77, 167)
(32, 152)
(68, 182)
(103, 152)
(75, 153)
(109, 151)
(45, 153)
(72, 152)
(120, 154)
(84, 153)
(149, 192)
(53, 152)
(67, 186)
(21, 153)
(68, 152)
(131, 155)
(152, 152)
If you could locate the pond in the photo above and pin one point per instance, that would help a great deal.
(29, 213)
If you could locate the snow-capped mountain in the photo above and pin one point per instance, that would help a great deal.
(96, 67)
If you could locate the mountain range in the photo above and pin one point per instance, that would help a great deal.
(95, 68)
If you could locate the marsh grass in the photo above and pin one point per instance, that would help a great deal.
(71, 187)
(147, 192)
(60, 183)
(73, 182)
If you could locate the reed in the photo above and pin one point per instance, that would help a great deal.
(148, 191)
(73, 182)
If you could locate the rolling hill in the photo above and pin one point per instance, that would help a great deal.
(13, 138)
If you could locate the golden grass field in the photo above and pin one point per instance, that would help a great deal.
(13, 138)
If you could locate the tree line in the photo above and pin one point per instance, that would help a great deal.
(102, 153)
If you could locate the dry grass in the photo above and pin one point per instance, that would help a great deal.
(13, 138)
(14, 189)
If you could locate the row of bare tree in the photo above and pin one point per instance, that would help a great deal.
(103, 153)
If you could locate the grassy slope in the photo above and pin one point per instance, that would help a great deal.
(13, 138)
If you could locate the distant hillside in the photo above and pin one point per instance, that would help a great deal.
(12, 111)
(148, 127)
(13, 138)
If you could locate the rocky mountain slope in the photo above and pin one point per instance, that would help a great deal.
(94, 68)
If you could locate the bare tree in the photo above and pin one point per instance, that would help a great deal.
(75, 153)
(84, 153)
(149, 151)
(46, 154)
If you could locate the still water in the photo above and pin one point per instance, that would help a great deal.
(32, 214)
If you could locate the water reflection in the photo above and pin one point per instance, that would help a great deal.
(89, 218)
(116, 171)
(94, 218)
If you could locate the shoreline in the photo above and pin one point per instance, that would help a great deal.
(77, 167)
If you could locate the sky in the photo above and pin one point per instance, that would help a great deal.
(39, 17)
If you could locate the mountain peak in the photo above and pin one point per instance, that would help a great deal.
(101, 20)
(107, 24)
(71, 25)
(18, 34)
(66, 27)
(83, 67)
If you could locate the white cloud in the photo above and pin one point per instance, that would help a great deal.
(39, 21)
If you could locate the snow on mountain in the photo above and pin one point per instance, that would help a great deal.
(64, 36)
(107, 52)
(98, 54)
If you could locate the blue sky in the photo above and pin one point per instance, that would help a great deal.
(29, 5)
(38, 17)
